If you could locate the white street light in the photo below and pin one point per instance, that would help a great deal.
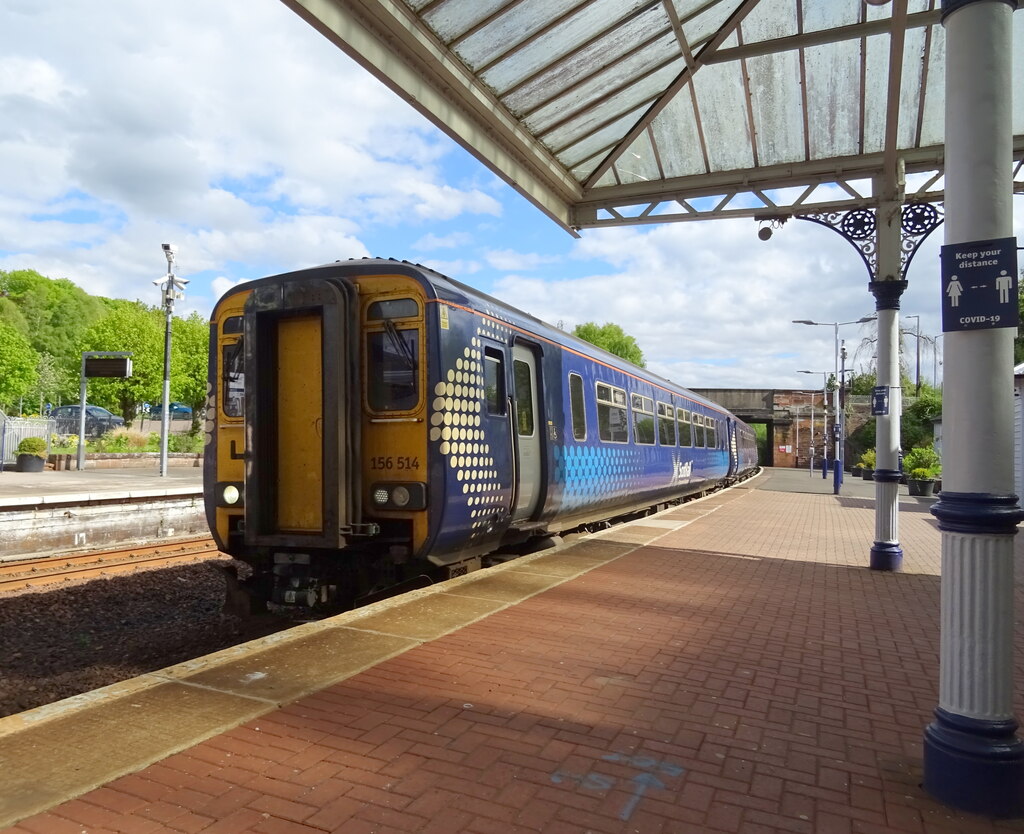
(172, 288)
(838, 459)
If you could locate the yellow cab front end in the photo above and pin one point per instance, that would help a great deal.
(316, 464)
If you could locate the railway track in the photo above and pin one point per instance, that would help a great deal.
(61, 568)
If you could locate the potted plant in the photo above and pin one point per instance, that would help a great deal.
(31, 454)
(867, 463)
(922, 462)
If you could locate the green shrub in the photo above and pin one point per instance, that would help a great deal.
(63, 444)
(867, 460)
(33, 446)
(921, 457)
(922, 473)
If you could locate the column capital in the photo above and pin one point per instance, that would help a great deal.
(950, 6)
(978, 513)
(887, 293)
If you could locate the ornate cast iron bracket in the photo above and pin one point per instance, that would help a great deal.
(859, 227)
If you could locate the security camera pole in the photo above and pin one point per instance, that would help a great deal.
(172, 288)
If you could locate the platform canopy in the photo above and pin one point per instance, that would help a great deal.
(619, 112)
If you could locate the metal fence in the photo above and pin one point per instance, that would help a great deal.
(15, 429)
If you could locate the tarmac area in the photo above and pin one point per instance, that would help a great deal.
(729, 665)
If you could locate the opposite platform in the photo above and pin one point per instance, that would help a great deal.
(729, 665)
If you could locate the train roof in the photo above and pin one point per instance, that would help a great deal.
(554, 334)
(449, 289)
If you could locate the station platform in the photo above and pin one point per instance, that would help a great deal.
(21, 489)
(729, 665)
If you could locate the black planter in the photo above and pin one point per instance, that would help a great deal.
(30, 463)
(921, 487)
(868, 474)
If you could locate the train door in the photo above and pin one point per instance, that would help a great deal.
(734, 453)
(527, 422)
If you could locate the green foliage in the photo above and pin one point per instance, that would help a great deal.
(922, 473)
(33, 446)
(63, 444)
(613, 339)
(133, 327)
(122, 441)
(921, 457)
(862, 384)
(190, 342)
(916, 426)
(17, 365)
(867, 460)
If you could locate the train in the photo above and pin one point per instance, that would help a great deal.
(373, 425)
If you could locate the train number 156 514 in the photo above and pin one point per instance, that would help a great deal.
(394, 462)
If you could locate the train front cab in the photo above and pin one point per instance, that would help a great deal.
(320, 455)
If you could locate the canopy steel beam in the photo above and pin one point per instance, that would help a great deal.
(386, 38)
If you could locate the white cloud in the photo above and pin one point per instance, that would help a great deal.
(509, 259)
(430, 241)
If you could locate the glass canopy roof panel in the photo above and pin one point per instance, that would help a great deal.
(876, 80)
(833, 73)
(722, 106)
(770, 19)
(603, 139)
(451, 18)
(677, 139)
(586, 60)
(933, 114)
(646, 74)
(820, 15)
(510, 29)
(707, 21)
(777, 107)
(568, 131)
(582, 26)
(910, 88)
(639, 163)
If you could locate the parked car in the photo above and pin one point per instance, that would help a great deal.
(97, 420)
(179, 411)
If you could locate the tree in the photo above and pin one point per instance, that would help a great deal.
(17, 365)
(49, 379)
(190, 344)
(133, 327)
(613, 339)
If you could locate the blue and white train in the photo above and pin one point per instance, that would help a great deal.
(372, 422)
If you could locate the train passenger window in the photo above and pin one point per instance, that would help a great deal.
(494, 381)
(666, 425)
(612, 425)
(579, 414)
(393, 308)
(711, 427)
(698, 429)
(234, 324)
(232, 366)
(643, 419)
(524, 398)
(683, 418)
(393, 376)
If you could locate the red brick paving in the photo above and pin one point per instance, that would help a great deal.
(745, 673)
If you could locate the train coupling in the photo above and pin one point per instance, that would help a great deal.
(295, 584)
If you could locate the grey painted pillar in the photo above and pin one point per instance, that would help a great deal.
(973, 758)
(886, 553)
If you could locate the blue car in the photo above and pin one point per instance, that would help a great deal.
(179, 411)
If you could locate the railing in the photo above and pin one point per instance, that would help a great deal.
(15, 429)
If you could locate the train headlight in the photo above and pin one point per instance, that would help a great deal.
(230, 494)
(408, 495)
(400, 496)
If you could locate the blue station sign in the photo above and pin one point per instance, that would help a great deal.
(979, 285)
(880, 400)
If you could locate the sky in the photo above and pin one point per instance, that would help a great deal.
(238, 133)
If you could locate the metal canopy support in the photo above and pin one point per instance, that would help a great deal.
(384, 37)
(973, 758)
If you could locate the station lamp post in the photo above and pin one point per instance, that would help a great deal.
(838, 474)
(824, 408)
(917, 335)
(172, 288)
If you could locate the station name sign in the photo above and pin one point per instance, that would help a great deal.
(979, 285)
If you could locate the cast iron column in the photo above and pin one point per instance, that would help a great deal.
(973, 758)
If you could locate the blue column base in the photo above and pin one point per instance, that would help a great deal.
(886, 556)
(975, 765)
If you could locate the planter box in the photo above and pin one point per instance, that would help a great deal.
(30, 463)
(920, 487)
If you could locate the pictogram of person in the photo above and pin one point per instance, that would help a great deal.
(954, 291)
(1003, 284)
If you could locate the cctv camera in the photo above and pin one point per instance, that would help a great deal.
(170, 248)
(764, 233)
